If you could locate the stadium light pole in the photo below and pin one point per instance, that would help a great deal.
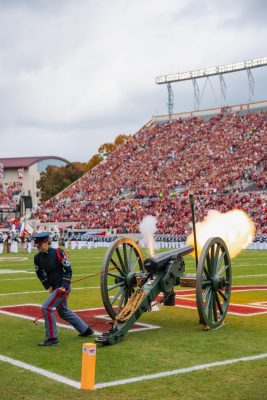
(170, 100)
(212, 71)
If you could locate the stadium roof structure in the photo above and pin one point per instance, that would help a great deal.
(207, 73)
(25, 162)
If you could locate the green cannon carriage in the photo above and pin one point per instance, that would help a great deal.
(130, 284)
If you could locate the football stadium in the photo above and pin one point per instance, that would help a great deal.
(146, 277)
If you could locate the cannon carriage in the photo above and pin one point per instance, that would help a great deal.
(131, 284)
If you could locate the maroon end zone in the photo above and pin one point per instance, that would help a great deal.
(234, 309)
(96, 318)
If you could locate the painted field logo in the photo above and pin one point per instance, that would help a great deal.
(95, 317)
(245, 310)
(98, 319)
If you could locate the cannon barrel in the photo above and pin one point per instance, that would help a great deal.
(160, 261)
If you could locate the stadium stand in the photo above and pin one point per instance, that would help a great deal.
(10, 195)
(221, 160)
(18, 178)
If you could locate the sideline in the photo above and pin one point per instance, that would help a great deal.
(180, 371)
(33, 278)
(41, 371)
(76, 384)
(44, 291)
(186, 292)
(14, 258)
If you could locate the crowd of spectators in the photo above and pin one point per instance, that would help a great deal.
(221, 160)
(9, 195)
(14, 189)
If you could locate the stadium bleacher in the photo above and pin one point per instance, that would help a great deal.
(9, 195)
(221, 160)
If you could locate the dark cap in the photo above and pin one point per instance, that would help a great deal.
(40, 237)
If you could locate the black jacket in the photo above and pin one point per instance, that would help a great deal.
(53, 269)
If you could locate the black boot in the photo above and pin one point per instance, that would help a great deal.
(88, 332)
(49, 342)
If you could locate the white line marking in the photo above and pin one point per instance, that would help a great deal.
(41, 371)
(237, 288)
(74, 268)
(19, 279)
(247, 265)
(179, 371)
(146, 327)
(43, 291)
(32, 319)
(28, 272)
(248, 276)
(260, 304)
(14, 293)
(98, 287)
(14, 258)
(76, 275)
(13, 271)
(76, 384)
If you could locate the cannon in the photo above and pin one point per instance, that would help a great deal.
(130, 284)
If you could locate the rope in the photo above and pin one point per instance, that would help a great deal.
(132, 304)
(91, 276)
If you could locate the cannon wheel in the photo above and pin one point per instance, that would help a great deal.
(213, 283)
(122, 260)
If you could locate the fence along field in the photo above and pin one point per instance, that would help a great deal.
(176, 345)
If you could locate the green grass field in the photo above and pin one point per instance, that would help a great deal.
(179, 343)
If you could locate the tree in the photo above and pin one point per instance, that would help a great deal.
(95, 160)
(73, 171)
(105, 149)
(54, 179)
(120, 139)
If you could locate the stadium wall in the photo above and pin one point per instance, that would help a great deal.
(210, 112)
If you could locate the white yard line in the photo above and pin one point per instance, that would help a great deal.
(17, 259)
(31, 270)
(18, 279)
(32, 319)
(41, 371)
(180, 371)
(44, 291)
(249, 276)
(98, 287)
(76, 384)
(247, 265)
(233, 266)
(104, 317)
(33, 278)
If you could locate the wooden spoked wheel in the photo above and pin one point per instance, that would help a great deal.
(123, 259)
(213, 283)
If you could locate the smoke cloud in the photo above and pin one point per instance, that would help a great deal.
(148, 227)
(234, 227)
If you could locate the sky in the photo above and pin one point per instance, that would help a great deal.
(74, 74)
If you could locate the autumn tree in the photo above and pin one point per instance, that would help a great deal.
(105, 149)
(95, 160)
(122, 138)
(54, 179)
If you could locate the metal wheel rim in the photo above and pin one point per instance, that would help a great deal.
(214, 269)
(122, 259)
